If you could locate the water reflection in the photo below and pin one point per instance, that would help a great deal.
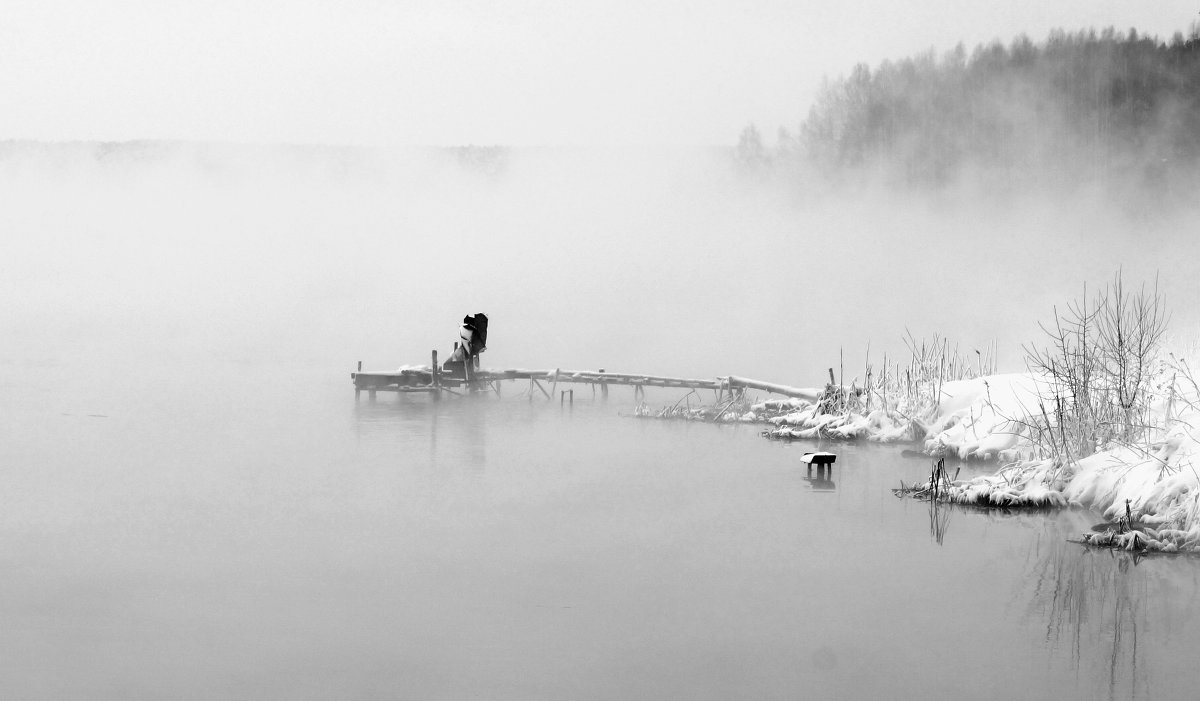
(823, 482)
(591, 510)
(939, 521)
(941, 513)
(457, 428)
(1097, 605)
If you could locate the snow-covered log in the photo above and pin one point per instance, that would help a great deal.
(808, 393)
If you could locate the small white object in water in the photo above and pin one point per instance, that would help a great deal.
(818, 458)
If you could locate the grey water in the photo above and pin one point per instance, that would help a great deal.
(193, 504)
(265, 535)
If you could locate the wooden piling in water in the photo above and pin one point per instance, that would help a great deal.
(436, 375)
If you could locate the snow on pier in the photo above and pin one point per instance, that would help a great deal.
(430, 378)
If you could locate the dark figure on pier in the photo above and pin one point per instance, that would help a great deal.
(472, 341)
(479, 336)
(466, 334)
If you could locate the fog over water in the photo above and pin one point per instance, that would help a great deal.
(211, 212)
(664, 262)
(193, 504)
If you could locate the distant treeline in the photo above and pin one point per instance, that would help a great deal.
(1099, 106)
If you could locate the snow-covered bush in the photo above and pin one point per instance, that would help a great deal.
(1099, 368)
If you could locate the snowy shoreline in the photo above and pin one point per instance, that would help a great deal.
(1148, 487)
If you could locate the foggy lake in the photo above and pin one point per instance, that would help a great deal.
(194, 504)
(247, 530)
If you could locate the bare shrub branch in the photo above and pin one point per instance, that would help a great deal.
(1098, 366)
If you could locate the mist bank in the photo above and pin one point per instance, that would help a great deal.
(667, 261)
(159, 260)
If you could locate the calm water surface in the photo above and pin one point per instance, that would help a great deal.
(253, 532)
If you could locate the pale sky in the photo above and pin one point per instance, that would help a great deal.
(451, 72)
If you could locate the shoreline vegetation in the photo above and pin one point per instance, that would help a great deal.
(1103, 418)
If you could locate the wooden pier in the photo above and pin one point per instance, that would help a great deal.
(462, 375)
(431, 379)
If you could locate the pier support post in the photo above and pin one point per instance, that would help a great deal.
(436, 376)
(603, 386)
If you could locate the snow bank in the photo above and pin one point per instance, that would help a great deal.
(1148, 488)
(981, 418)
(975, 418)
(1155, 478)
